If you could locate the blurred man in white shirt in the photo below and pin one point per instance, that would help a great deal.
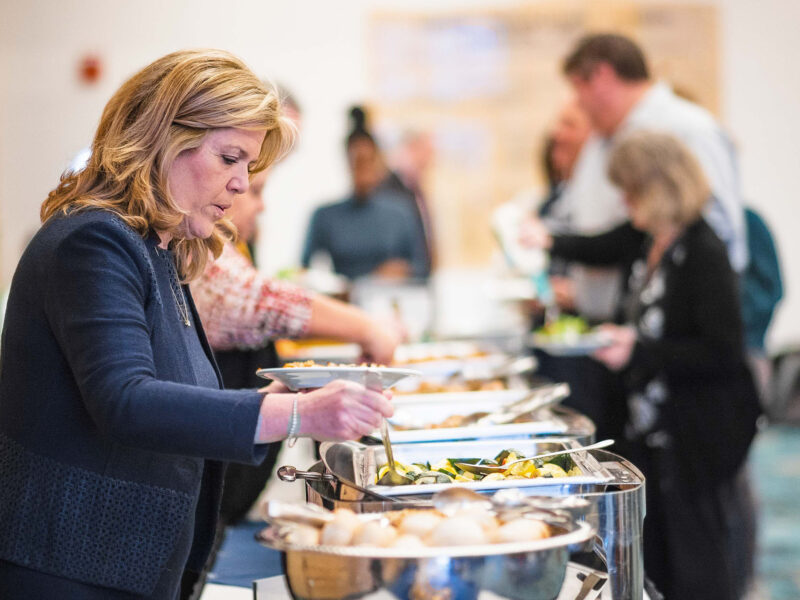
(612, 83)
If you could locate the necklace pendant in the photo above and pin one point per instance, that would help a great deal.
(187, 323)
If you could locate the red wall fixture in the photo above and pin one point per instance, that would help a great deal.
(90, 69)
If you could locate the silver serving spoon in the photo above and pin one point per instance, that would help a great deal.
(486, 469)
(535, 400)
(392, 476)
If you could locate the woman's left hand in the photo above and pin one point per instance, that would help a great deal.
(617, 355)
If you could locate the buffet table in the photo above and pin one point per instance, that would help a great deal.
(478, 405)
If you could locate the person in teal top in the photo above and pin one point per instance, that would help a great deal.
(372, 232)
(762, 287)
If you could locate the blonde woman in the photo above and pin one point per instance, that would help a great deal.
(691, 399)
(113, 426)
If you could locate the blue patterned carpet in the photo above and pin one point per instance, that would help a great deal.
(775, 469)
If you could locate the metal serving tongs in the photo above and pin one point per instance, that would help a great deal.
(392, 476)
(486, 469)
(534, 400)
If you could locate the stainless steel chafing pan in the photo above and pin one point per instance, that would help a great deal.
(357, 464)
(531, 570)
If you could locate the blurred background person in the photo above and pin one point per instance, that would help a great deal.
(373, 232)
(611, 79)
(594, 390)
(411, 160)
(243, 311)
(762, 290)
(691, 398)
(561, 150)
(556, 160)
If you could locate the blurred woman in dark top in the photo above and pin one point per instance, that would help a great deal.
(595, 390)
(373, 231)
(691, 398)
(561, 151)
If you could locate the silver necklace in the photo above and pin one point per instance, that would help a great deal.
(176, 289)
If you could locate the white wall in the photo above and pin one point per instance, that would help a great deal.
(317, 49)
(761, 107)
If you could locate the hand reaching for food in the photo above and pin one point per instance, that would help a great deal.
(616, 355)
(534, 234)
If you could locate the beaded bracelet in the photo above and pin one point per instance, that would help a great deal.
(294, 424)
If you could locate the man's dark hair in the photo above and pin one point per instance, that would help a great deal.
(622, 53)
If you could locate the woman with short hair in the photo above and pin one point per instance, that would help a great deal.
(113, 426)
(692, 405)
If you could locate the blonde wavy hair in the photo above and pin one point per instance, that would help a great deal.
(163, 110)
(659, 174)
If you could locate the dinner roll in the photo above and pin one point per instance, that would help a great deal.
(373, 533)
(340, 531)
(522, 530)
(457, 531)
(408, 540)
(303, 535)
(419, 523)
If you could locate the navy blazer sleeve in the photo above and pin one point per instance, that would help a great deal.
(96, 295)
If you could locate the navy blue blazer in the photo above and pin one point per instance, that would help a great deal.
(110, 451)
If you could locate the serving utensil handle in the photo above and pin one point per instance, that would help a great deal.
(595, 446)
(387, 444)
(289, 473)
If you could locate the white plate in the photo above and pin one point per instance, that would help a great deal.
(299, 378)
(580, 345)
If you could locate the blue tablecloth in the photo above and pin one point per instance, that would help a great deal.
(241, 559)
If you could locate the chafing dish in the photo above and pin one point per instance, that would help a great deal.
(416, 414)
(529, 570)
(617, 512)
(352, 467)
(358, 463)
